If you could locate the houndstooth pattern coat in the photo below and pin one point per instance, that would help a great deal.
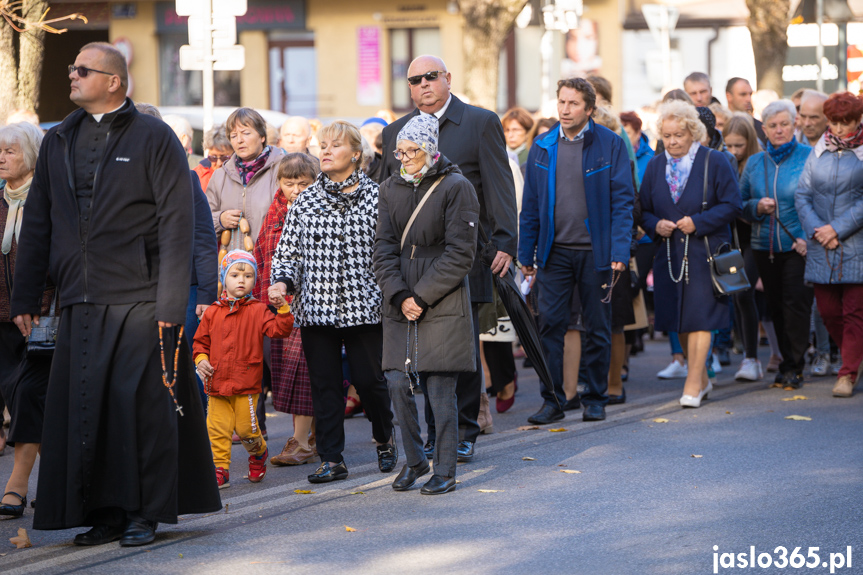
(325, 256)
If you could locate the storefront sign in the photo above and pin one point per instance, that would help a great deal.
(261, 15)
(370, 88)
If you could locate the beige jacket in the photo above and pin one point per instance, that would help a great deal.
(225, 192)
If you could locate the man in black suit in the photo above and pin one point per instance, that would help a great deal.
(472, 138)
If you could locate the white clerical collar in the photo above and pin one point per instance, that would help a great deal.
(98, 117)
(439, 114)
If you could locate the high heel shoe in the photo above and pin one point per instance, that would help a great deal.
(695, 401)
(13, 510)
(352, 407)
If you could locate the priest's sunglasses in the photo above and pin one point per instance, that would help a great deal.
(430, 76)
(83, 71)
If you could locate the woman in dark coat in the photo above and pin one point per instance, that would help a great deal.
(671, 202)
(426, 298)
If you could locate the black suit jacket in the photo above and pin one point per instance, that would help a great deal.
(472, 138)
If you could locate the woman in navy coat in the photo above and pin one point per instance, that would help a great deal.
(671, 201)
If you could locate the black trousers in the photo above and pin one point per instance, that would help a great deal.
(468, 388)
(790, 303)
(501, 364)
(322, 347)
(745, 310)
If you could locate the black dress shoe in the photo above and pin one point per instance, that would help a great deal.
(779, 380)
(388, 455)
(428, 449)
(616, 399)
(571, 404)
(465, 450)
(438, 485)
(546, 415)
(139, 531)
(13, 510)
(409, 475)
(793, 381)
(99, 535)
(325, 473)
(593, 413)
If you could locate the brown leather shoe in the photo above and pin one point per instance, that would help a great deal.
(844, 387)
(294, 454)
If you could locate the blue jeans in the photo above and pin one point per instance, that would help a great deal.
(564, 270)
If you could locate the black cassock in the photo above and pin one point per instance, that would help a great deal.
(112, 435)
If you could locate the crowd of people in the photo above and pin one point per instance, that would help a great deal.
(346, 268)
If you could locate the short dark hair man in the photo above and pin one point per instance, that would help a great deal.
(473, 139)
(109, 217)
(738, 93)
(697, 86)
(575, 226)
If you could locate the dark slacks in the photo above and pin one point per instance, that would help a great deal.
(468, 388)
(841, 307)
(501, 364)
(440, 393)
(745, 310)
(564, 271)
(790, 303)
(322, 346)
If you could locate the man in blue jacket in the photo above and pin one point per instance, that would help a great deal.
(575, 227)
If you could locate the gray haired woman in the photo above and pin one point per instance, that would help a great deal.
(424, 248)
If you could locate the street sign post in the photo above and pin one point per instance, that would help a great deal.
(212, 43)
(661, 20)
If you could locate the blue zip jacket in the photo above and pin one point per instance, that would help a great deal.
(607, 188)
(782, 184)
(643, 156)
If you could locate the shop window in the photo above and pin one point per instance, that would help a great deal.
(184, 88)
(405, 45)
(293, 77)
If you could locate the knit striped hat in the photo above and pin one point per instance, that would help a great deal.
(236, 257)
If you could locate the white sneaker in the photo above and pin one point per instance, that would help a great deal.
(717, 367)
(750, 370)
(674, 370)
(821, 366)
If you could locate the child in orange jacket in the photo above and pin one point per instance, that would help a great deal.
(229, 353)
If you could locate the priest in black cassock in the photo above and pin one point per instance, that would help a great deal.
(109, 218)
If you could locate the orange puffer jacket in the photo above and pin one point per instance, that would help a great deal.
(233, 341)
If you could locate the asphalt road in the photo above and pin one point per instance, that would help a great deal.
(658, 489)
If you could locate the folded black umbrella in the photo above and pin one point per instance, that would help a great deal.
(521, 317)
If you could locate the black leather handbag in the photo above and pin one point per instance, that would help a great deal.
(43, 337)
(726, 267)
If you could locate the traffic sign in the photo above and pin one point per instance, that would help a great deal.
(220, 7)
(230, 58)
(659, 17)
(224, 31)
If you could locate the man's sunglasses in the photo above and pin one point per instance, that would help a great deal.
(430, 76)
(214, 159)
(83, 71)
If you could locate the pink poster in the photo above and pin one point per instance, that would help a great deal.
(370, 88)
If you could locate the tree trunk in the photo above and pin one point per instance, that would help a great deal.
(768, 25)
(8, 71)
(487, 23)
(30, 55)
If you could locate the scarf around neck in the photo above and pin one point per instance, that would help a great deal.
(231, 301)
(417, 178)
(15, 199)
(336, 187)
(677, 171)
(835, 143)
(249, 169)
(782, 152)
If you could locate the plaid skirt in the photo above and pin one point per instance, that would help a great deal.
(292, 391)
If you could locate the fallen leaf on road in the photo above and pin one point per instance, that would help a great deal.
(798, 417)
(226, 507)
(303, 491)
(557, 430)
(181, 555)
(350, 529)
(697, 456)
(795, 398)
(528, 459)
(21, 540)
(569, 471)
(526, 427)
(358, 493)
(489, 490)
(728, 413)
(660, 420)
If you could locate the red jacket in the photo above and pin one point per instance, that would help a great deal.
(233, 341)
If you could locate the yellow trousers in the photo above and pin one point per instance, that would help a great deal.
(226, 414)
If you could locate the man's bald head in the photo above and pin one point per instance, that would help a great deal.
(432, 88)
(295, 134)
